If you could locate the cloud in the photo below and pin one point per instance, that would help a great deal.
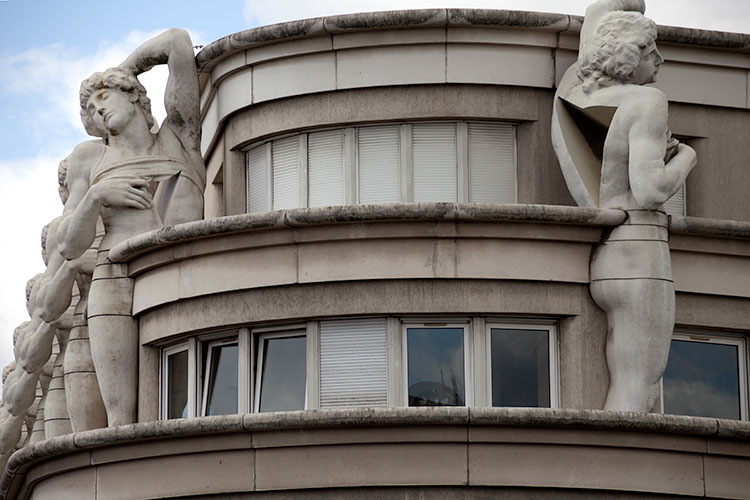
(28, 201)
(728, 15)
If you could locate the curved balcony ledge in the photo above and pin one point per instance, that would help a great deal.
(392, 447)
(441, 18)
(476, 212)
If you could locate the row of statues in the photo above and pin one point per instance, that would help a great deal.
(76, 359)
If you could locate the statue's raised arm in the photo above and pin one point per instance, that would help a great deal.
(182, 94)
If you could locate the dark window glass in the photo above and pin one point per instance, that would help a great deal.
(177, 380)
(520, 367)
(702, 380)
(436, 366)
(284, 374)
(221, 397)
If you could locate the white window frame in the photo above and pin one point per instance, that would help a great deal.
(437, 323)
(262, 337)
(553, 353)
(208, 346)
(724, 339)
(164, 385)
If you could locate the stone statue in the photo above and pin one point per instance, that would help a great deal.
(85, 407)
(136, 179)
(611, 137)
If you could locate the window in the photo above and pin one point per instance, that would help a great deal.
(353, 363)
(706, 376)
(282, 368)
(220, 390)
(176, 382)
(436, 365)
(522, 365)
(409, 162)
(362, 362)
(676, 204)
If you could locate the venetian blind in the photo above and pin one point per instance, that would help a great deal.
(353, 368)
(379, 156)
(434, 153)
(492, 163)
(325, 164)
(285, 173)
(676, 204)
(256, 179)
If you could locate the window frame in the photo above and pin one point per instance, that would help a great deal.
(723, 338)
(262, 336)
(164, 379)
(553, 353)
(468, 347)
(205, 377)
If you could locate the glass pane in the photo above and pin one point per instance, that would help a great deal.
(520, 367)
(222, 382)
(177, 385)
(256, 179)
(284, 374)
(436, 366)
(702, 380)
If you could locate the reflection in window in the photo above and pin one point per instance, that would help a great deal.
(221, 380)
(435, 366)
(283, 373)
(520, 367)
(177, 384)
(703, 379)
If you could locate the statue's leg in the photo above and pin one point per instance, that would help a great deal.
(640, 315)
(84, 398)
(56, 418)
(113, 335)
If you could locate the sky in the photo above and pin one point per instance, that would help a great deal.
(47, 47)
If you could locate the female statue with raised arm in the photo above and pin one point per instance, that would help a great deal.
(611, 137)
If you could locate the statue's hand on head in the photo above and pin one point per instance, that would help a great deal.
(130, 192)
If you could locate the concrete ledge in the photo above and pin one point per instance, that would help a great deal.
(709, 227)
(364, 213)
(468, 443)
(438, 18)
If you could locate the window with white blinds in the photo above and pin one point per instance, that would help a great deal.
(434, 160)
(325, 152)
(353, 363)
(406, 162)
(285, 165)
(379, 162)
(492, 163)
(676, 204)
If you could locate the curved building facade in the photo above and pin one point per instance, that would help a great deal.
(387, 227)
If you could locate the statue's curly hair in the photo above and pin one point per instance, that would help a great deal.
(615, 49)
(31, 284)
(62, 175)
(113, 78)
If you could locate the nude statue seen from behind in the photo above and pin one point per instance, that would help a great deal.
(635, 167)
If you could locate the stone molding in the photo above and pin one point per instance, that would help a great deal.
(302, 217)
(273, 430)
(443, 18)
